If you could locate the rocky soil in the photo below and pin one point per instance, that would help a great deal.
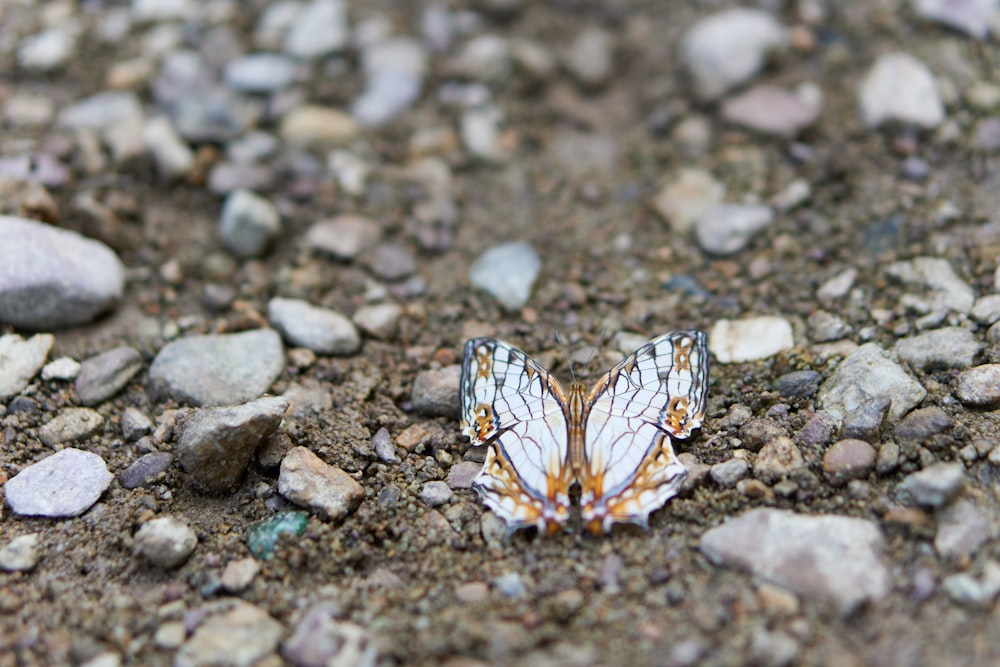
(242, 245)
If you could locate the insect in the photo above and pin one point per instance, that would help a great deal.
(614, 442)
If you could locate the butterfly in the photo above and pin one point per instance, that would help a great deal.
(614, 442)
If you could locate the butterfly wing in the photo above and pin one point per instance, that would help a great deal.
(657, 393)
(515, 407)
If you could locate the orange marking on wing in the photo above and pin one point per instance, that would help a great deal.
(485, 361)
(484, 420)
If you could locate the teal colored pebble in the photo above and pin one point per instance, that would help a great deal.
(263, 535)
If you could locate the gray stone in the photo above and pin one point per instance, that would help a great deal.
(865, 375)
(104, 375)
(63, 368)
(770, 110)
(21, 554)
(379, 320)
(435, 392)
(979, 387)
(49, 49)
(461, 474)
(218, 369)
(345, 236)
(309, 482)
(972, 17)
(824, 326)
(837, 286)
(923, 423)
(145, 470)
(134, 424)
(215, 445)
(951, 347)
(750, 339)
(591, 57)
(773, 648)
(933, 486)
(777, 460)
(888, 458)
(260, 73)
(798, 384)
(728, 48)
(101, 111)
(986, 310)
(393, 261)
(167, 542)
(321, 28)
(849, 459)
(238, 634)
(20, 360)
(320, 640)
(948, 291)
(384, 448)
(173, 157)
(394, 70)
(65, 484)
(70, 425)
(480, 130)
(865, 422)
(728, 473)
(901, 89)
(962, 527)
(725, 229)
(53, 278)
(484, 58)
(435, 493)
(249, 224)
(321, 330)
(825, 557)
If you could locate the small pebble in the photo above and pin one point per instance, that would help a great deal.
(260, 73)
(933, 486)
(145, 470)
(798, 384)
(70, 425)
(263, 536)
(777, 460)
(725, 229)
(21, 554)
(948, 291)
(824, 326)
(684, 200)
(319, 638)
(167, 542)
(770, 110)
(309, 482)
(735, 341)
(344, 237)
(20, 360)
(970, 16)
(384, 448)
(134, 424)
(962, 528)
(318, 29)
(239, 574)
(950, 347)
(104, 375)
(590, 58)
(838, 285)
(215, 445)
(380, 320)
(868, 373)
(249, 224)
(435, 493)
(979, 387)
(461, 474)
(480, 131)
(321, 330)
(237, 634)
(435, 392)
(65, 484)
(63, 368)
(392, 261)
(308, 126)
(848, 459)
(728, 473)
(899, 88)
(923, 423)
(173, 157)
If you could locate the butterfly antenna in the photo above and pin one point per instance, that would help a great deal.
(565, 349)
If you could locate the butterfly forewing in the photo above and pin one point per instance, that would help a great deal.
(657, 393)
(513, 405)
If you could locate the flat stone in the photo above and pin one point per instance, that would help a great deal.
(435, 392)
(321, 330)
(933, 486)
(950, 347)
(970, 16)
(65, 484)
(461, 474)
(868, 373)
(798, 384)
(435, 493)
(962, 528)
(865, 422)
(218, 369)
(238, 634)
(315, 125)
(344, 237)
(979, 387)
(849, 459)
(309, 482)
(249, 224)
(20, 360)
(239, 574)
(687, 197)
(166, 542)
(70, 425)
(104, 375)
(948, 292)
(379, 320)
(21, 554)
(727, 48)
(823, 557)
(923, 423)
(145, 470)
(837, 286)
(770, 110)
(320, 639)
(986, 310)
(728, 473)
(899, 88)
(215, 445)
(750, 339)
(63, 368)
(824, 326)
(725, 229)
(508, 272)
(260, 73)
(777, 460)
(52, 278)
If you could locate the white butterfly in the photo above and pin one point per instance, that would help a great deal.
(613, 441)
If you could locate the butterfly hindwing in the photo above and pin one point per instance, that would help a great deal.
(515, 407)
(657, 393)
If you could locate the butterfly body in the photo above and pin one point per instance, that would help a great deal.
(613, 441)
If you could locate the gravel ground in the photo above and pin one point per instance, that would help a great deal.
(242, 245)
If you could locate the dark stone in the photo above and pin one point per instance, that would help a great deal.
(145, 469)
(921, 424)
(865, 422)
(798, 384)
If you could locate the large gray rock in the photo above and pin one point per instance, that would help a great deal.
(215, 445)
(825, 557)
(218, 369)
(52, 278)
(65, 484)
(866, 375)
